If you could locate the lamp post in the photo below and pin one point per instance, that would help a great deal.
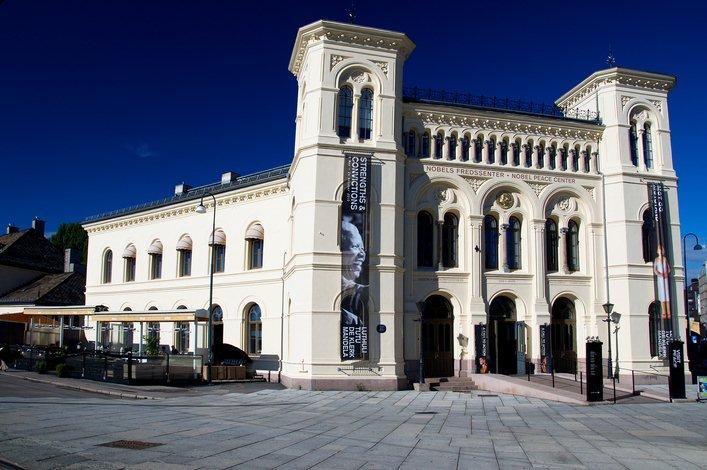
(615, 317)
(201, 209)
(608, 307)
(697, 247)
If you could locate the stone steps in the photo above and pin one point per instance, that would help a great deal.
(451, 384)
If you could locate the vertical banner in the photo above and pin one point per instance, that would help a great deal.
(677, 370)
(662, 271)
(481, 347)
(595, 376)
(354, 256)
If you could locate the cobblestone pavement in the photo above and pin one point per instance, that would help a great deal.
(300, 429)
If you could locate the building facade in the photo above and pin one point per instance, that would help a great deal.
(488, 219)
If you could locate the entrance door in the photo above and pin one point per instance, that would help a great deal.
(502, 336)
(437, 328)
(564, 355)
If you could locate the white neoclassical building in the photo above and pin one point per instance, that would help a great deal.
(488, 218)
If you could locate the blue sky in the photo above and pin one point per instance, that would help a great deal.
(105, 104)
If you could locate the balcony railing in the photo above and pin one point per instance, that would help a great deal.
(428, 95)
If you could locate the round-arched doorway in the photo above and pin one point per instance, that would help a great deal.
(437, 330)
(564, 327)
(502, 343)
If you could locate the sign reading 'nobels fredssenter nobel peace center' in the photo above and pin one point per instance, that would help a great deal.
(354, 257)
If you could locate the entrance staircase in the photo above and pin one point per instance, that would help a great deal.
(451, 384)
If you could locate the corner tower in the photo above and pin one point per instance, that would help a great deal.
(349, 100)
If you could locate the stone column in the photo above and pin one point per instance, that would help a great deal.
(354, 118)
(497, 154)
(546, 158)
(535, 161)
(512, 154)
(523, 151)
(445, 148)
(561, 250)
(593, 160)
(472, 150)
(583, 161)
(502, 258)
(540, 270)
(485, 152)
(639, 150)
(460, 146)
(571, 159)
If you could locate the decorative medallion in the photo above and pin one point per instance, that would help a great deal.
(564, 203)
(505, 201)
(444, 196)
(360, 78)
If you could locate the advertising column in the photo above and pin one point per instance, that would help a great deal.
(354, 256)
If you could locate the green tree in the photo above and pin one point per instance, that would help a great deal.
(72, 235)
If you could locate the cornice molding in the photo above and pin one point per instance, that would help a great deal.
(492, 122)
(348, 34)
(616, 76)
(183, 208)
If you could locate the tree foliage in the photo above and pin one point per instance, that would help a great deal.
(72, 235)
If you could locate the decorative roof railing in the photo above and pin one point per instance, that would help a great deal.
(428, 95)
(199, 191)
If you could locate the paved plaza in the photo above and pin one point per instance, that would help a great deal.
(302, 429)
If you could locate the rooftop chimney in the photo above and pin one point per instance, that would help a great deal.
(229, 177)
(38, 225)
(72, 261)
(12, 229)
(181, 188)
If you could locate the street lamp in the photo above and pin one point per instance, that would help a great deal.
(201, 209)
(697, 247)
(615, 317)
(608, 307)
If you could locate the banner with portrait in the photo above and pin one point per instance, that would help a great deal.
(354, 241)
(662, 264)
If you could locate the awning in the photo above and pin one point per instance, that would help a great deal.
(219, 238)
(70, 310)
(151, 316)
(255, 232)
(184, 243)
(155, 248)
(130, 252)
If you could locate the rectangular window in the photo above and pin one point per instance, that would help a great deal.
(256, 254)
(129, 269)
(184, 263)
(219, 258)
(156, 266)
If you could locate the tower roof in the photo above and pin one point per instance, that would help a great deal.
(347, 33)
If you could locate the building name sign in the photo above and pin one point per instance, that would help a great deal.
(497, 174)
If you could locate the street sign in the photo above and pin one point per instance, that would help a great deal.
(595, 380)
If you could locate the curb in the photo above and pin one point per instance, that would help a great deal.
(11, 464)
(89, 389)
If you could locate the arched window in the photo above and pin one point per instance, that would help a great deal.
(648, 237)
(365, 114)
(491, 242)
(516, 154)
(345, 111)
(504, 152)
(553, 157)
(453, 147)
(410, 141)
(254, 237)
(541, 155)
(425, 240)
(184, 250)
(551, 245)
(218, 251)
(513, 243)
(528, 155)
(647, 146)
(563, 159)
(107, 267)
(654, 320)
(633, 140)
(572, 246)
(450, 231)
(255, 330)
(155, 252)
(439, 142)
(129, 256)
(491, 149)
(465, 148)
(426, 145)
